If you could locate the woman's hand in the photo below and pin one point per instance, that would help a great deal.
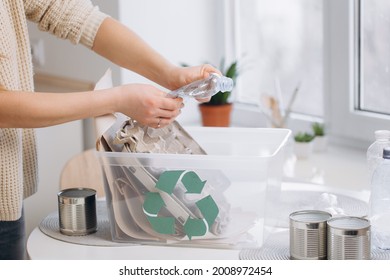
(181, 76)
(148, 105)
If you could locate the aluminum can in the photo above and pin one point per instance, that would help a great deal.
(308, 235)
(77, 211)
(349, 238)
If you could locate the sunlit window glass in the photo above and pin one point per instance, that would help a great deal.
(375, 56)
(281, 47)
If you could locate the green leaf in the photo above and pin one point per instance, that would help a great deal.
(303, 137)
(232, 71)
(318, 129)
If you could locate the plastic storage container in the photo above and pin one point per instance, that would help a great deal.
(226, 198)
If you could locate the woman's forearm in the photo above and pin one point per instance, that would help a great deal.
(144, 103)
(31, 110)
(125, 48)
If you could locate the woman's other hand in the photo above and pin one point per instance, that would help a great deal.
(148, 105)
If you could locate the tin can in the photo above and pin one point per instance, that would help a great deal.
(308, 235)
(349, 238)
(77, 211)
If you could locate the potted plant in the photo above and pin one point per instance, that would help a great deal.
(320, 139)
(303, 146)
(217, 111)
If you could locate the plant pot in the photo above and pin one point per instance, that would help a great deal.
(216, 115)
(320, 143)
(303, 149)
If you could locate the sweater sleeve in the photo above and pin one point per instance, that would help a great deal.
(75, 20)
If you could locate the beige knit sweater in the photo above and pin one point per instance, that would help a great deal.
(75, 20)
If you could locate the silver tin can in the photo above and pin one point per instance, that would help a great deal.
(308, 235)
(349, 238)
(77, 211)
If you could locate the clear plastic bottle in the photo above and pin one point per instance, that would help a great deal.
(379, 204)
(375, 151)
(204, 88)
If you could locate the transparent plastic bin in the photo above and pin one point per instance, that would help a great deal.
(225, 198)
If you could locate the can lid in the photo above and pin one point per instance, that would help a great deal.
(349, 223)
(310, 216)
(76, 195)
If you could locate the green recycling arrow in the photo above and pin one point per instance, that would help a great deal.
(153, 203)
(195, 227)
(199, 227)
(209, 209)
(168, 180)
(193, 184)
(152, 206)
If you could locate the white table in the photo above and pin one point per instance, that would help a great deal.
(42, 247)
(60, 250)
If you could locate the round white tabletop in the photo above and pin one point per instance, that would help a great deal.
(55, 249)
(59, 250)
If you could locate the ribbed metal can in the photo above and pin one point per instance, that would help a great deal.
(77, 211)
(308, 235)
(349, 238)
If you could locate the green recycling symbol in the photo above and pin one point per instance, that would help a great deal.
(194, 185)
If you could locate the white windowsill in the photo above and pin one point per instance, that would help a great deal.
(339, 167)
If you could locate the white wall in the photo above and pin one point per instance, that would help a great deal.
(183, 31)
(64, 59)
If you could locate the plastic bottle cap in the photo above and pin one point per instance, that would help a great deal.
(226, 84)
(386, 153)
(382, 134)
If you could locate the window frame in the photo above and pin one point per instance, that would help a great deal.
(345, 122)
(343, 79)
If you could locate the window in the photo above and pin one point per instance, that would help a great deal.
(350, 113)
(279, 43)
(374, 46)
(338, 50)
